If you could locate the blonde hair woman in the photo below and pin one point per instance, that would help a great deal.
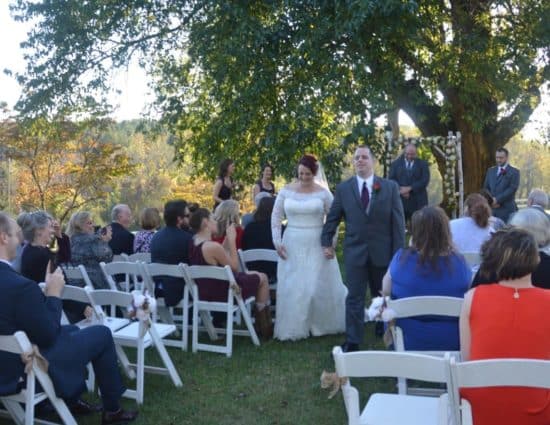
(227, 214)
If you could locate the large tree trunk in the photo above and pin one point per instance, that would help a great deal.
(477, 157)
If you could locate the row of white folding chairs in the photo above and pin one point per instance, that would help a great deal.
(126, 333)
(449, 408)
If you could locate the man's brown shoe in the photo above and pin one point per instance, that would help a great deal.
(82, 407)
(119, 417)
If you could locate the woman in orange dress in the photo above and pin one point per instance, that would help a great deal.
(507, 319)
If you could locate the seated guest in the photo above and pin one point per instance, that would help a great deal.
(538, 199)
(536, 223)
(227, 214)
(470, 231)
(149, 221)
(38, 230)
(205, 251)
(257, 235)
(89, 248)
(506, 320)
(68, 350)
(170, 245)
(248, 218)
(495, 222)
(430, 266)
(122, 240)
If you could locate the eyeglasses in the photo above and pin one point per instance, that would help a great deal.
(186, 215)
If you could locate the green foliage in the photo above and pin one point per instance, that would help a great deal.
(268, 81)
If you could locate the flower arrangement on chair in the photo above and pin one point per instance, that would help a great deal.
(142, 306)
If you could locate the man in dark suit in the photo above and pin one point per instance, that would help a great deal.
(122, 240)
(68, 349)
(375, 230)
(170, 245)
(502, 182)
(412, 175)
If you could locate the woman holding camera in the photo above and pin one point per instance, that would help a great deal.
(89, 248)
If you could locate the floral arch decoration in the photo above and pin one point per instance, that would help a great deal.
(448, 148)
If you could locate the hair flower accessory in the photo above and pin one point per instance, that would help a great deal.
(376, 186)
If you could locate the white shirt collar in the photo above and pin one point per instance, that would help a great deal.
(369, 181)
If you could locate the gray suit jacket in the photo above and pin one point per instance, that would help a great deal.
(375, 234)
(418, 178)
(503, 188)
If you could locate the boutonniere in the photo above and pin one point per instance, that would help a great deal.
(376, 186)
(503, 171)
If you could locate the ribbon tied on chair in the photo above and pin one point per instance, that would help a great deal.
(27, 358)
(141, 308)
(332, 381)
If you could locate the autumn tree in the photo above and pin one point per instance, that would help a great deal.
(269, 80)
(63, 166)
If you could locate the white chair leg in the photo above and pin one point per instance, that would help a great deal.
(29, 399)
(229, 333)
(126, 365)
(140, 372)
(248, 322)
(90, 382)
(207, 322)
(159, 345)
(195, 333)
(16, 411)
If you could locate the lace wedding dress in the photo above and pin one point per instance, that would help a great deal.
(310, 292)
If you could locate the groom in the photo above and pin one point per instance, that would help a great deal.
(375, 230)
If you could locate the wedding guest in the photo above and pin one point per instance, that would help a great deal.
(470, 231)
(149, 221)
(122, 240)
(538, 199)
(502, 182)
(265, 183)
(257, 235)
(89, 248)
(227, 214)
(63, 243)
(536, 223)
(248, 218)
(430, 266)
(38, 232)
(66, 348)
(505, 319)
(224, 182)
(495, 222)
(205, 251)
(170, 245)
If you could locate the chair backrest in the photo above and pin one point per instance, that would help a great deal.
(209, 272)
(79, 272)
(256, 255)
(17, 343)
(153, 270)
(120, 268)
(391, 364)
(76, 293)
(120, 257)
(494, 373)
(426, 305)
(144, 257)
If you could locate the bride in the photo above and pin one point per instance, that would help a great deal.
(310, 292)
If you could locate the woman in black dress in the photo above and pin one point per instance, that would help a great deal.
(224, 183)
(265, 183)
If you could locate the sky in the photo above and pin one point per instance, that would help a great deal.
(132, 82)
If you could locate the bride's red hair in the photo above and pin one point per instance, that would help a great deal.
(310, 162)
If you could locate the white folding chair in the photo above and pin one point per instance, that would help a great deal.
(140, 335)
(120, 258)
(156, 270)
(225, 275)
(393, 409)
(250, 255)
(494, 373)
(420, 306)
(131, 271)
(18, 343)
(141, 257)
(77, 274)
(473, 259)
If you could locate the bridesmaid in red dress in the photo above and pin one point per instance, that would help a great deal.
(507, 319)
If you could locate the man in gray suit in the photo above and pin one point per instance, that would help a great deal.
(502, 182)
(375, 230)
(412, 174)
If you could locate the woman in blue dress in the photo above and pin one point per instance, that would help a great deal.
(429, 267)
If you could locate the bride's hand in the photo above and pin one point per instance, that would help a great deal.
(281, 250)
(329, 252)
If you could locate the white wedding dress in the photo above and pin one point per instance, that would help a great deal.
(310, 292)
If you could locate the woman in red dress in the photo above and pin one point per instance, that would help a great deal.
(507, 319)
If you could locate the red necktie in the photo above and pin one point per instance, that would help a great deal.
(365, 196)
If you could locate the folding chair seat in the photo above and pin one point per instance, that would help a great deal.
(421, 306)
(18, 343)
(494, 373)
(153, 271)
(140, 335)
(233, 304)
(393, 409)
(131, 271)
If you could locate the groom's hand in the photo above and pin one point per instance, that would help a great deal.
(329, 252)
